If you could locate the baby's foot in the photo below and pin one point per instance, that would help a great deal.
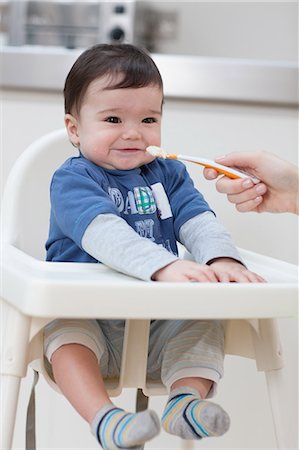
(189, 417)
(116, 428)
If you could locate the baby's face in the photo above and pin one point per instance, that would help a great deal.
(115, 126)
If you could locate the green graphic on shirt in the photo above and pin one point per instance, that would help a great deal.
(145, 201)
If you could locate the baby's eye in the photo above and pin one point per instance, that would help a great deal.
(149, 120)
(112, 119)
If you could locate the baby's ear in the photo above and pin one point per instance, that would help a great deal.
(71, 124)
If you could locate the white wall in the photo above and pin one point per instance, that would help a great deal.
(238, 29)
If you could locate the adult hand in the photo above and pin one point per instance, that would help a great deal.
(277, 192)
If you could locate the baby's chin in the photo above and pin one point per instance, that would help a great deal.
(136, 165)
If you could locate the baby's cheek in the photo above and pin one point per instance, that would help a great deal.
(148, 158)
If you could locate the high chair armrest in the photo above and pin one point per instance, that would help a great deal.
(49, 289)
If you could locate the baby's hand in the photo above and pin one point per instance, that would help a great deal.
(182, 270)
(229, 270)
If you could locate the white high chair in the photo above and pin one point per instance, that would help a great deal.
(34, 292)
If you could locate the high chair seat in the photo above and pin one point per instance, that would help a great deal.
(34, 292)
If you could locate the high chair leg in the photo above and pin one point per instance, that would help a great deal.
(9, 393)
(14, 347)
(30, 420)
(141, 404)
(275, 384)
(187, 445)
(268, 355)
(141, 401)
(134, 362)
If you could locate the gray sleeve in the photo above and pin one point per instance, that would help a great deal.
(109, 239)
(206, 238)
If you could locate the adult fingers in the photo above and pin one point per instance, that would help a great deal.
(250, 205)
(210, 174)
(248, 194)
(226, 185)
(240, 160)
(248, 200)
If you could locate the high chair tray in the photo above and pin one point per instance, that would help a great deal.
(93, 290)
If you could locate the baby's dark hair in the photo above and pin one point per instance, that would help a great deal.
(136, 66)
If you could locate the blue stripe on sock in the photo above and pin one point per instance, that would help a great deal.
(179, 396)
(197, 424)
(119, 438)
(101, 421)
(113, 412)
(173, 403)
(188, 421)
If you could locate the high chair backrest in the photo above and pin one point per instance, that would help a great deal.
(26, 201)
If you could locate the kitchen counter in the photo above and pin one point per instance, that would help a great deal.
(186, 77)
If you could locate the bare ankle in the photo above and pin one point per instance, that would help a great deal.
(202, 385)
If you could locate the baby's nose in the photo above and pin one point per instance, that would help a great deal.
(131, 133)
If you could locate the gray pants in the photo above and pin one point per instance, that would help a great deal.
(177, 348)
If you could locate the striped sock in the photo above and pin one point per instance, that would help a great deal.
(115, 428)
(189, 417)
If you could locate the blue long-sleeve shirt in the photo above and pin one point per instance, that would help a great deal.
(155, 200)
